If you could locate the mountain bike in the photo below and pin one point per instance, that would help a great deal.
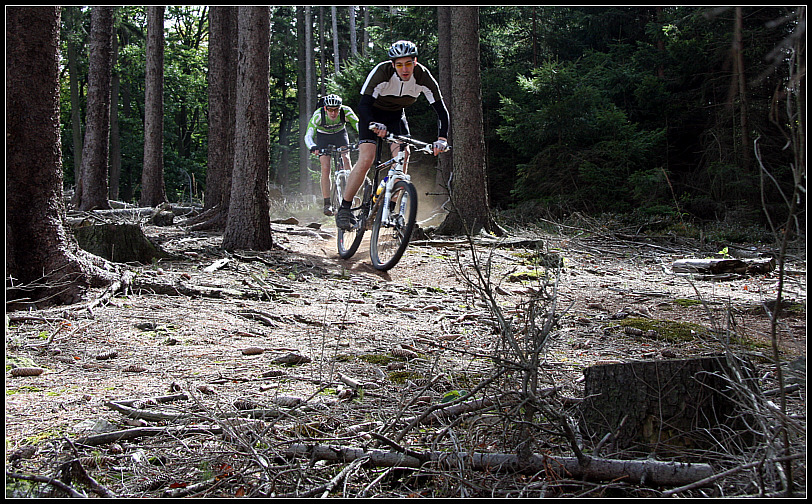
(390, 211)
(340, 172)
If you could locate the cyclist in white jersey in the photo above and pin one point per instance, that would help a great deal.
(327, 127)
(389, 88)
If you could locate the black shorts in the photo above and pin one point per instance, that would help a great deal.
(395, 123)
(337, 139)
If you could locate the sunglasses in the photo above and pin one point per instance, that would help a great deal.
(404, 64)
(332, 109)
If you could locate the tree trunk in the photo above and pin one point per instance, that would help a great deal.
(336, 59)
(115, 135)
(153, 191)
(74, 15)
(353, 34)
(304, 171)
(249, 223)
(222, 110)
(445, 163)
(738, 64)
(322, 56)
(662, 405)
(91, 191)
(366, 32)
(301, 85)
(43, 261)
(469, 191)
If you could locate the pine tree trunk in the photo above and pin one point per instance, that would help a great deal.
(445, 163)
(336, 59)
(91, 192)
(75, 107)
(301, 84)
(38, 247)
(353, 34)
(222, 109)
(249, 223)
(153, 192)
(115, 138)
(469, 191)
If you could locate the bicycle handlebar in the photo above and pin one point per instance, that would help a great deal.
(332, 148)
(421, 146)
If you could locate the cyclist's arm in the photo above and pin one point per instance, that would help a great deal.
(310, 133)
(442, 119)
(351, 118)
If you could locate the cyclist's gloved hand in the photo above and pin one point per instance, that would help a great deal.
(378, 128)
(441, 145)
(314, 150)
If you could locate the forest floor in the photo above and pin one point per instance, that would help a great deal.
(342, 344)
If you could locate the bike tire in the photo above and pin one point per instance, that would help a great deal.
(349, 241)
(388, 241)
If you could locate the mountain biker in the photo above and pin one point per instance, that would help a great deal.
(389, 88)
(328, 126)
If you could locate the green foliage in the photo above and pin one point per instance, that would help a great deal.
(581, 144)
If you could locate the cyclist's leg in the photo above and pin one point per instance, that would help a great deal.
(366, 156)
(324, 161)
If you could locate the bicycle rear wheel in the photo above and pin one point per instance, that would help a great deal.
(349, 241)
(389, 239)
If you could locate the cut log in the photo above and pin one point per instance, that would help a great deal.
(662, 406)
(118, 243)
(721, 266)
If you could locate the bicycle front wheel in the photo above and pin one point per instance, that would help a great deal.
(389, 239)
(350, 240)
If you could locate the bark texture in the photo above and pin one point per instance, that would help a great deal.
(91, 189)
(659, 406)
(43, 261)
(222, 108)
(249, 224)
(470, 211)
(153, 191)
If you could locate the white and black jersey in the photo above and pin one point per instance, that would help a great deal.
(385, 91)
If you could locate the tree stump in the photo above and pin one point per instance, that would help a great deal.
(663, 406)
(118, 243)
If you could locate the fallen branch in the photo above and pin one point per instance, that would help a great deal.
(43, 479)
(651, 472)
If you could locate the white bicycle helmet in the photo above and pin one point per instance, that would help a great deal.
(332, 101)
(402, 49)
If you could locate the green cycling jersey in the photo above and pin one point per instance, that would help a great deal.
(320, 122)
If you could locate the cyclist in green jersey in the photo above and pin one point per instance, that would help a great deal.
(327, 127)
(389, 88)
